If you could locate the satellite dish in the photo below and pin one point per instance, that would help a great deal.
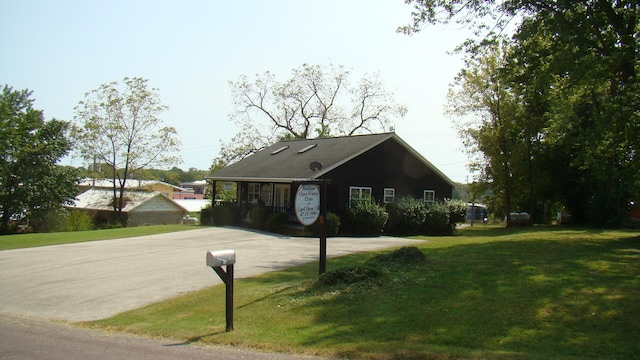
(315, 166)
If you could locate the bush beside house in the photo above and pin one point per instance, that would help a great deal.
(333, 225)
(222, 215)
(407, 216)
(366, 218)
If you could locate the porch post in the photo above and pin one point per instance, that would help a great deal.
(323, 227)
(213, 193)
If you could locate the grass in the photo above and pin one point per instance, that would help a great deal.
(19, 241)
(487, 293)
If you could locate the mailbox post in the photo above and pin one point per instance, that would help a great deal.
(216, 260)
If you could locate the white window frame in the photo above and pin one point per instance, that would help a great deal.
(389, 195)
(253, 193)
(429, 196)
(360, 190)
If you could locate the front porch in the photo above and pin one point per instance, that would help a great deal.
(256, 201)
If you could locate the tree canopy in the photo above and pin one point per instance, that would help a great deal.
(118, 124)
(31, 184)
(316, 101)
(570, 73)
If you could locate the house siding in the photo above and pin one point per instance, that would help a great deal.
(157, 211)
(388, 165)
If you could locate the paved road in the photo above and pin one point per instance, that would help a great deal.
(95, 280)
(33, 339)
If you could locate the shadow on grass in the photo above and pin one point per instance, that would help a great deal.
(516, 299)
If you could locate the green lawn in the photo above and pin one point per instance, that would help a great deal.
(20, 241)
(487, 293)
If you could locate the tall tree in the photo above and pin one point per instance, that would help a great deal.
(316, 101)
(486, 111)
(576, 64)
(30, 181)
(118, 124)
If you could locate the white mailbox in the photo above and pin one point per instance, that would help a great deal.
(221, 258)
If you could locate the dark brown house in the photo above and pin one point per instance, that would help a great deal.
(378, 166)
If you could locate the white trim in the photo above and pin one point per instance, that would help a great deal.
(360, 190)
(392, 195)
(432, 197)
(256, 193)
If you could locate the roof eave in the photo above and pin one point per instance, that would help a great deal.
(255, 179)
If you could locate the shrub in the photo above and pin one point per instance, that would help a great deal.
(457, 210)
(333, 225)
(206, 215)
(367, 218)
(437, 220)
(259, 215)
(221, 215)
(276, 222)
(78, 221)
(51, 220)
(406, 216)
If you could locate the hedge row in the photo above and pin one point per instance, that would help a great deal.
(406, 216)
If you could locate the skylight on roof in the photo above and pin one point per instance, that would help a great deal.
(280, 150)
(307, 148)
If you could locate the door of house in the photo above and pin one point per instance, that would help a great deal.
(282, 195)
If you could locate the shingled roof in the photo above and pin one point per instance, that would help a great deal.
(288, 161)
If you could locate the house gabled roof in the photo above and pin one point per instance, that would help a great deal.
(289, 161)
(102, 199)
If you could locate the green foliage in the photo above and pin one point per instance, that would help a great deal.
(207, 215)
(457, 210)
(221, 215)
(118, 125)
(276, 222)
(553, 108)
(32, 185)
(259, 215)
(366, 217)
(50, 221)
(437, 220)
(409, 216)
(333, 226)
(406, 216)
(78, 221)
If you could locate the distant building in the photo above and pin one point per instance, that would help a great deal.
(141, 207)
(132, 185)
(194, 190)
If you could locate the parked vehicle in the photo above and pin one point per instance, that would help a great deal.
(477, 212)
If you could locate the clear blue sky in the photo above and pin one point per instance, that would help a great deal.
(190, 50)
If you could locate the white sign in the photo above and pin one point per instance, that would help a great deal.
(307, 204)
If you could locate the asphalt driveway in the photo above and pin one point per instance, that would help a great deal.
(95, 280)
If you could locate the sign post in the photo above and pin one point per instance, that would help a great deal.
(310, 205)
